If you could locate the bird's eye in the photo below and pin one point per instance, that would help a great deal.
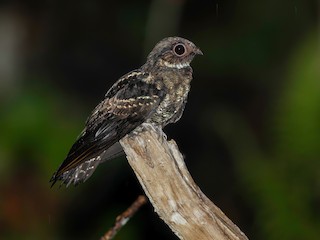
(179, 49)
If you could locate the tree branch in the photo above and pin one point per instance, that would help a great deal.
(161, 171)
(123, 218)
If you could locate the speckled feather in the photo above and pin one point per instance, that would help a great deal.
(155, 93)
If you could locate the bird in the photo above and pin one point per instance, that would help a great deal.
(156, 94)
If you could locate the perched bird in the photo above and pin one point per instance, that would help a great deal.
(156, 93)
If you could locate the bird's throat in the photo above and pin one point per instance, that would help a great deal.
(174, 65)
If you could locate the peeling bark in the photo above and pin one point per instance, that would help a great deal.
(161, 171)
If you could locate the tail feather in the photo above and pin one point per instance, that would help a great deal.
(82, 172)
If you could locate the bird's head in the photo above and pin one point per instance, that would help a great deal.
(173, 52)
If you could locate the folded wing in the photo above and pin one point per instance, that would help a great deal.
(130, 101)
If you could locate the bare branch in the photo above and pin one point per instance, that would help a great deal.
(123, 218)
(160, 168)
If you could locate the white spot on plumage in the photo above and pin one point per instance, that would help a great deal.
(177, 65)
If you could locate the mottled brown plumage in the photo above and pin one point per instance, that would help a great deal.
(156, 93)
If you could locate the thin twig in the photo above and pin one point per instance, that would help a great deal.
(123, 218)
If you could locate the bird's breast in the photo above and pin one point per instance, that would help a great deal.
(171, 107)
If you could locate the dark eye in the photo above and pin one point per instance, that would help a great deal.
(179, 49)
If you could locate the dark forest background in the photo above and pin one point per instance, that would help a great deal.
(250, 132)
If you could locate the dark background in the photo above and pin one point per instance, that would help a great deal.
(250, 132)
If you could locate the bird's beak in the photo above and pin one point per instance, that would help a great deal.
(198, 51)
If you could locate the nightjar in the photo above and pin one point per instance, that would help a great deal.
(156, 93)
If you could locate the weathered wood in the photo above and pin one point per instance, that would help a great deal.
(160, 169)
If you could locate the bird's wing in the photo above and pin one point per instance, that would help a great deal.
(129, 102)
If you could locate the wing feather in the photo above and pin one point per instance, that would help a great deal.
(129, 102)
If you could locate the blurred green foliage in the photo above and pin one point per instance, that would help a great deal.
(34, 137)
(281, 182)
(32, 116)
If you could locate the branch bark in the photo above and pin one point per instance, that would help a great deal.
(161, 171)
(123, 218)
